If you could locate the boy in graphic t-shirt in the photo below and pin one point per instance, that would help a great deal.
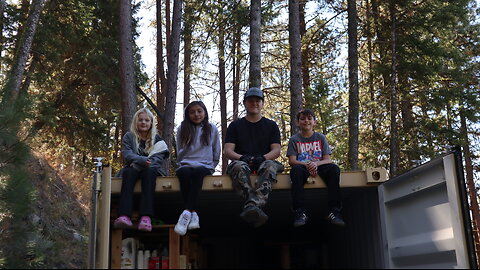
(309, 155)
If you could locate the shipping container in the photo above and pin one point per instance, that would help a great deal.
(419, 219)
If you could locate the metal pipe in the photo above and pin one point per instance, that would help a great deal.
(93, 212)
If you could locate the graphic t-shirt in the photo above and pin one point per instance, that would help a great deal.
(312, 148)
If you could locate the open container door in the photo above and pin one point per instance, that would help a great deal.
(425, 219)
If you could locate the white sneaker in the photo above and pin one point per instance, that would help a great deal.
(182, 224)
(194, 222)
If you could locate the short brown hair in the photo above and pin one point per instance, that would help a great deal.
(306, 112)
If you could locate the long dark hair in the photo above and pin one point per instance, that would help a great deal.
(187, 128)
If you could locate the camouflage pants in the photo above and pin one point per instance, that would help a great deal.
(240, 172)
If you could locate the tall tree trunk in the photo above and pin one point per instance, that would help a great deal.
(408, 120)
(255, 79)
(14, 153)
(474, 208)
(305, 47)
(118, 141)
(167, 25)
(371, 85)
(380, 34)
(22, 18)
(28, 76)
(223, 91)
(187, 71)
(394, 154)
(237, 50)
(2, 21)
(23, 47)
(127, 70)
(295, 63)
(172, 75)
(353, 106)
(161, 80)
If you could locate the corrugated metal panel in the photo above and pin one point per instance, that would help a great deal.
(422, 214)
(358, 245)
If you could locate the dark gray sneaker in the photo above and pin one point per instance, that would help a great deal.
(300, 218)
(335, 218)
(255, 215)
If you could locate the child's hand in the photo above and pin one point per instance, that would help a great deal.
(148, 163)
(312, 168)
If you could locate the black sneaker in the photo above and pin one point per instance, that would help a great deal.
(300, 218)
(255, 215)
(335, 218)
(262, 218)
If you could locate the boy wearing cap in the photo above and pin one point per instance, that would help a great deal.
(309, 155)
(253, 144)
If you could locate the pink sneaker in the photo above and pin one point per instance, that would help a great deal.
(123, 222)
(145, 224)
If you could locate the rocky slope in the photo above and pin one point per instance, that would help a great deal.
(60, 215)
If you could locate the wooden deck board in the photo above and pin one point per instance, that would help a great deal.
(370, 177)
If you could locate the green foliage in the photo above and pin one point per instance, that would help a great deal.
(436, 59)
(330, 114)
(22, 246)
(71, 109)
(78, 104)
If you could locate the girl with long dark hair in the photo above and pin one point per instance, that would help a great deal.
(198, 153)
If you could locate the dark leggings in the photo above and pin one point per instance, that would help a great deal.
(330, 173)
(130, 176)
(191, 181)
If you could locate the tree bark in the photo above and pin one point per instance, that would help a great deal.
(2, 21)
(295, 63)
(28, 76)
(353, 103)
(172, 75)
(223, 92)
(161, 80)
(394, 154)
(187, 71)
(127, 70)
(408, 121)
(14, 80)
(371, 85)
(255, 79)
(167, 25)
(305, 47)
(474, 208)
(237, 50)
(118, 142)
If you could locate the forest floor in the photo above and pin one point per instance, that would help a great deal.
(61, 212)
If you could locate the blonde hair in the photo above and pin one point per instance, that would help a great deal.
(152, 133)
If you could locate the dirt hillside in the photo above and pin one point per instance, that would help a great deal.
(61, 214)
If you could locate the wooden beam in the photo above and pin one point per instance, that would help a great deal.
(103, 224)
(116, 249)
(173, 249)
(370, 177)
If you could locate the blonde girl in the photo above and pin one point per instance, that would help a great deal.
(144, 153)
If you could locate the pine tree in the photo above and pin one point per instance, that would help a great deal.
(22, 245)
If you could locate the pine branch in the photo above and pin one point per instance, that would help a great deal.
(154, 107)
